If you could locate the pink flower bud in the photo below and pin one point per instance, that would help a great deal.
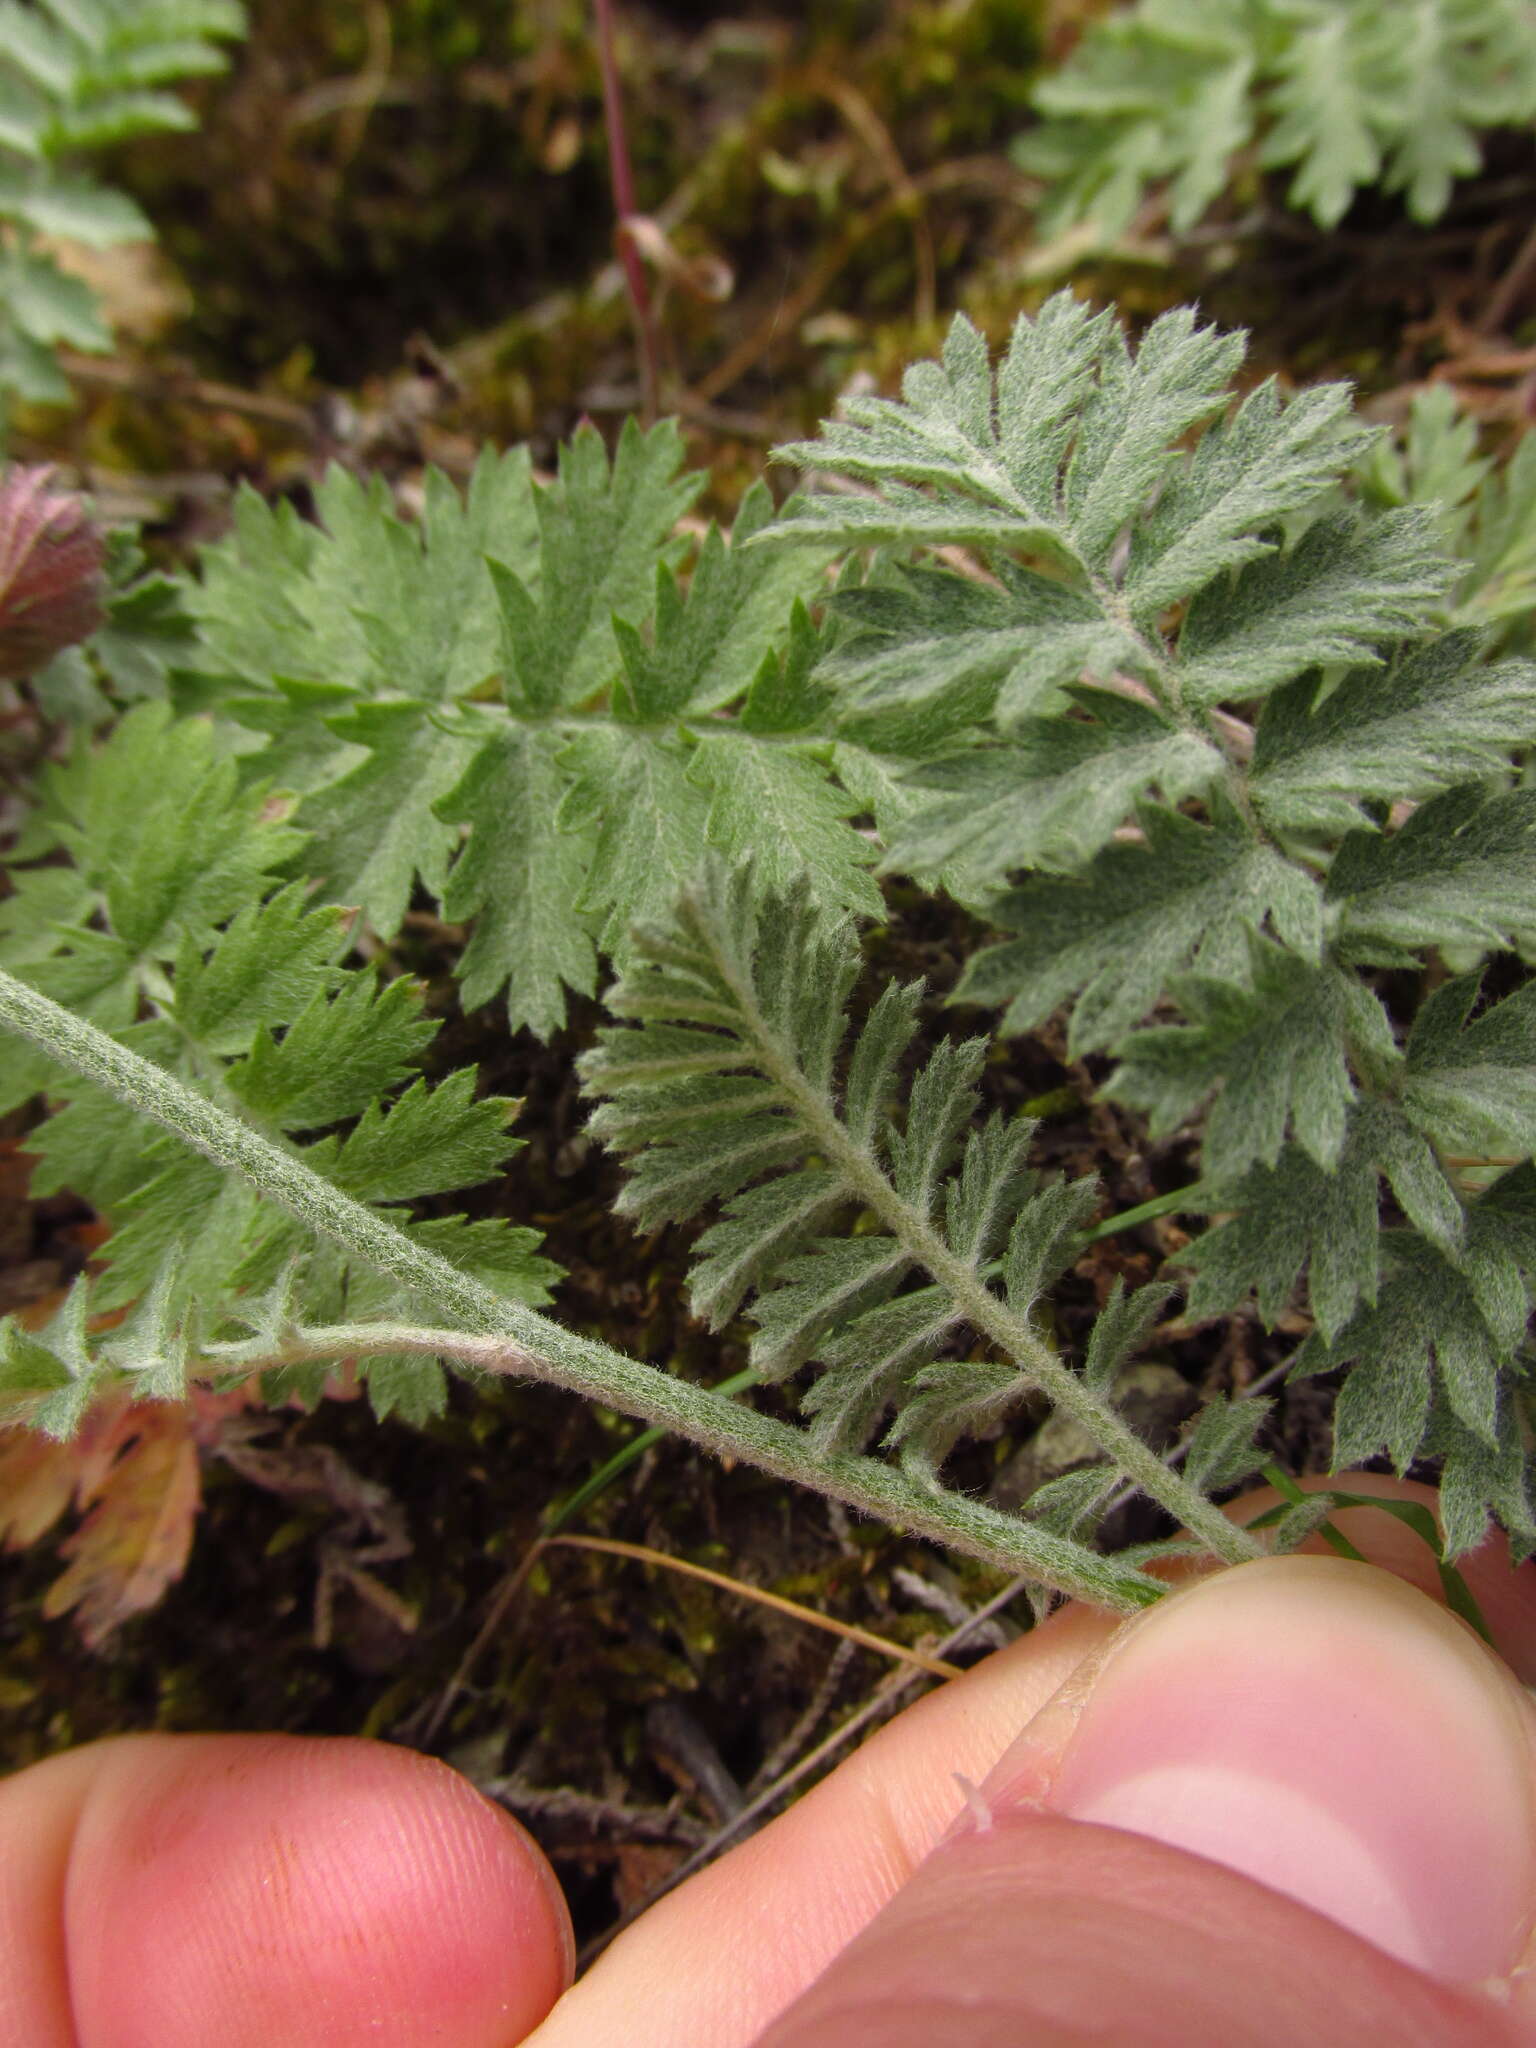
(51, 571)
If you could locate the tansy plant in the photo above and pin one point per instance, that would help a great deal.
(1187, 98)
(1178, 693)
(77, 76)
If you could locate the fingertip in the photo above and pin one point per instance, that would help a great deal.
(1320, 1726)
(1293, 1802)
(1504, 1592)
(1057, 1933)
(254, 1890)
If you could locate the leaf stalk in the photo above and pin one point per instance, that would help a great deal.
(985, 1311)
(504, 1337)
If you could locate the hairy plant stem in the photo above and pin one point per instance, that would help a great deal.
(505, 1337)
(987, 1313)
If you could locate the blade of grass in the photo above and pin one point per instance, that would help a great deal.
(850, 1631)
(556, 1518)
(560, 1517)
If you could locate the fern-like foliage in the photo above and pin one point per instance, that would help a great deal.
(1179, 691)
(517, 705)
(171, 925)
(1485, 510)
(1337, 94)
(879, 1228)
(75, 77)
(1220, 757)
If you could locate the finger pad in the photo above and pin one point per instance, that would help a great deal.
(251, 1890)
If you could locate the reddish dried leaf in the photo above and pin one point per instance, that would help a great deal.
(137, 1537)
(133, 1469)
(37, 1477)
(104, 1433)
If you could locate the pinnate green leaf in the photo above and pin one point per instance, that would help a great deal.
(1161, 92)
(376, 829)
(1299, 1215)
(1340, 94)
(1137, 915)
(650, 821)
(1221, 1449)
(1346, 589)
(739, 1101)
(1277, 1050)
(771, 803)
(957, 649)
(521, 877)
(430, 1141)
(1055, 795)
(602, 529)
(1470, 1083)
(337, 1056)
(1461, 871)
(1436, 1330)
(265, 965)
(1433, 718)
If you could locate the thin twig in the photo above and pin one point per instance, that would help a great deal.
(180, 387)
(861, 117)
(565, 1803)
(887, 1696)
(783, 1753)
(622, 176)
(865, 1638)
(501, 1605)
(983, 174)
(517, 1578)
(1512, 287)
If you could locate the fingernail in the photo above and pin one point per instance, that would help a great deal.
(1325, 1729)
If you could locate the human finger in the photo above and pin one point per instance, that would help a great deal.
(175, 1891)
(698, 1960)
(1294, 1802)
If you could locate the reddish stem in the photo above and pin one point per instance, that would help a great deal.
(622, 176)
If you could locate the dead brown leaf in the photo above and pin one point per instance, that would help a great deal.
(37, 1478)
(132, 1470)
(143, 1495)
